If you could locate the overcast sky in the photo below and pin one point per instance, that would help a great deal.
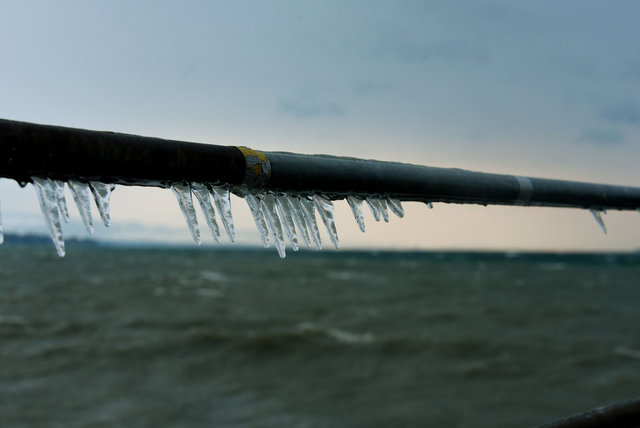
(544, 88)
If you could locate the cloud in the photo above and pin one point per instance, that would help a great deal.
(623, 112)
(303, 108)
(601, 136)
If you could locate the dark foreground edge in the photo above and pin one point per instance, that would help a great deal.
(624, 415)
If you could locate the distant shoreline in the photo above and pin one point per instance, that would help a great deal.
(39, 241)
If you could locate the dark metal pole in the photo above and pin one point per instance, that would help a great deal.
(625, 415)
(28, 150)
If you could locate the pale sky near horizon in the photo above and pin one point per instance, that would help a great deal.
(546, 88)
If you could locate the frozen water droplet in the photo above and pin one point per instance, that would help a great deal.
(309, 215)
(62, 202)
(268, 204)
(295, 208)
(46, 191)
(183, 195)
(286, 215)
(395, 206)
(82, 196)
(202, 195)
(598, 216)
(254, 204)
(325, 209)
(375, 208)
(429, 204)
(222, 199)
(101, 194)
(357, 208)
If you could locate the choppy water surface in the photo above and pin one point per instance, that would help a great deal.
(142, 337)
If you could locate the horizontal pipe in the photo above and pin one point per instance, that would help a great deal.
(28, 150)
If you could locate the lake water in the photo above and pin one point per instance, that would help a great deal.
(238, 337)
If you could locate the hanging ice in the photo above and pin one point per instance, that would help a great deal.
(295, 208)
(101, 194)
(268, 205)
(384, 209)
(258, 216)
(202, 195)
(429, 204)
(357, 209)
(82, 196)
(286, 215)
(309, 215)
(395, 206)
(222, 200)
(46, 191)
(325, 209)
(375, 208)
(62, 202)
(598, 216)
(183, 194)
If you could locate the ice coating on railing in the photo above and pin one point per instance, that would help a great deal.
(268, 206)
(325, 209)
(598, 216)
(286, 215)
(258, 216)
(46, 190)
(82, 197)
(309, 215)
(102, 194)
(298, 217)
(183, 195)
(62, 202)
(221, 198)
(374, 208)
(357, 208)
(378, 208)
(202, 195)
(396, 207)
(283, 217)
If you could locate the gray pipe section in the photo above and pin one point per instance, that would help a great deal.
(339, 176)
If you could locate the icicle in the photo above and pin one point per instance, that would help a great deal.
(384, 209)
(597, 215)
(183, 194)
(429, 204)
(222, 200)
(286, 214)
(268, 205)
(46, 191)
(258, 216)
(357, 209)
(82, 196)
(62, 202)
(101, 194)
(375, 208)
(395, 206)
(309, 215)
(202, 195)
(295, 208)
(325, 209)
